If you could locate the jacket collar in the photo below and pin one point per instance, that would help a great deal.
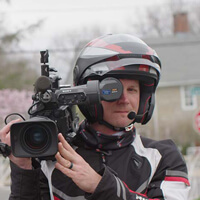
(96, 140)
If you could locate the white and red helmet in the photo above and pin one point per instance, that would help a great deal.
(120, 56)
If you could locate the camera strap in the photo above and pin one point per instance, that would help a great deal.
(5, 150)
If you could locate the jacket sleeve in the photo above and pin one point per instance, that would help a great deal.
(169, 182)
(171, 177)
(28, 184)
(112, 188)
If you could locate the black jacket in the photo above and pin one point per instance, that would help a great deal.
(132, 167)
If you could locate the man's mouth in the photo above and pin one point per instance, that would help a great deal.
(121, 112)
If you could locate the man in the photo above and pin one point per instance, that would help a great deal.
(109, 160)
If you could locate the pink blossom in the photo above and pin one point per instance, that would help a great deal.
(14, 101)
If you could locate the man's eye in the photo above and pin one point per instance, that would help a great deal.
(133, 89)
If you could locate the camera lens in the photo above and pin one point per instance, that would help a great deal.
(36, 138)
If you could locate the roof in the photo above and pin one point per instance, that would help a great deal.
(180, 58)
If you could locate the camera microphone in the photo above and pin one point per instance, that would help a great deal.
(42, 84)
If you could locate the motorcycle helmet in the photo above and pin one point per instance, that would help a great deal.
(120, 56)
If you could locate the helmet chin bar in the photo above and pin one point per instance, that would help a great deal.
(110, 126)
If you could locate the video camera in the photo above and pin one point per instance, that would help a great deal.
(53, 111)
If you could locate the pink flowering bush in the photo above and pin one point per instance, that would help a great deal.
(14, 101)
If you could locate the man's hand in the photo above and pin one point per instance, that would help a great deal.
(24, 163)
(74, 166)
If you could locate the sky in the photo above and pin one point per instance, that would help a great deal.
(60, 16)
(68, 15)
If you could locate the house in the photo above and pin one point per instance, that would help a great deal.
(178, 94)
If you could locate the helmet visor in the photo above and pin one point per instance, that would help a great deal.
(127, 66)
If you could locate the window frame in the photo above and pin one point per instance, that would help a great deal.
(184, 106)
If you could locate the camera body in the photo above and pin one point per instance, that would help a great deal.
(53, 111)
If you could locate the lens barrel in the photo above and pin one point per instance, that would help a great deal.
(37, 137)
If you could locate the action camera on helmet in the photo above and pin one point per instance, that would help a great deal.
(53, 111)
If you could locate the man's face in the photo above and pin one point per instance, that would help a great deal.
(116, 112)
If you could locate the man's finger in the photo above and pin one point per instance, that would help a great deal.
(65, 144)
(6, 129)
(64, 152)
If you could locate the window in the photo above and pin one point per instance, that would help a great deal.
(188, 98)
